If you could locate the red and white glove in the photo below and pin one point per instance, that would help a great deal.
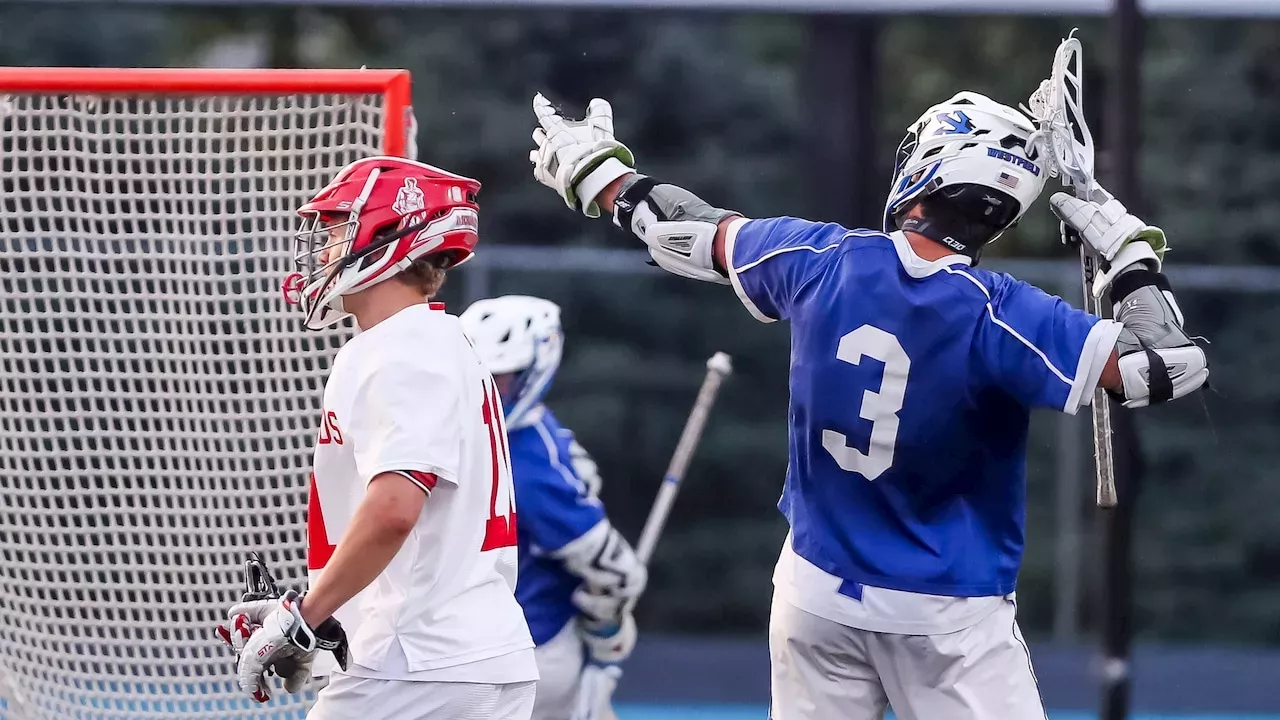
(271, 636)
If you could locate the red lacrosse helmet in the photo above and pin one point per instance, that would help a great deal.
(374, 219)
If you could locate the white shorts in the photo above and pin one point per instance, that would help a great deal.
(559, 671)
(821, 670)
(353, 698)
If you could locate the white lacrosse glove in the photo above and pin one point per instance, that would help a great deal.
(578, 158)
(608, 644)
(1111, 232)
(595, 692)
(271, 636)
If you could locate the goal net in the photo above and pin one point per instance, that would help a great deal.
(158, 398)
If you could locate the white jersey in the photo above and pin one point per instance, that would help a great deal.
(409, 396)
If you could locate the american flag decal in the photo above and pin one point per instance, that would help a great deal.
(1007, 180)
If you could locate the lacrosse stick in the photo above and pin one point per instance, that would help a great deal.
(719, 367)
(1058, 109)
(258, 582)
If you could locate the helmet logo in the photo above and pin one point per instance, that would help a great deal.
(955, 122)
(1009, 157)
(409, 198)
(292, 288)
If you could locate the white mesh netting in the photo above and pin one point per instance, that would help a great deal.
(157, 397)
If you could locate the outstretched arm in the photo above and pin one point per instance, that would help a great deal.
(594, 173)
(591, 171)
(719, 262)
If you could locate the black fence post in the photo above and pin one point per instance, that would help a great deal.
(1123, 132)
(843, 70)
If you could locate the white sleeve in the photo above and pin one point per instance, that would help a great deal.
(406, 418)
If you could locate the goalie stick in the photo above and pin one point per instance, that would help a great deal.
(1058, 109)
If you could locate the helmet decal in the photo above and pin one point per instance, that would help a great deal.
(955, 122)
(409, 198)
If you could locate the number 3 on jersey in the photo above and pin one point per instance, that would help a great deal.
(880, 407)
(500, 530)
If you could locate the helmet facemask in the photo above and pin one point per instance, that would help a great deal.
(320, 251)
(531, 384)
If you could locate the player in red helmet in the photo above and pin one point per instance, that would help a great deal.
(411, 522)
(379, 218)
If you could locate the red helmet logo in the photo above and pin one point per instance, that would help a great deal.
(292, 288)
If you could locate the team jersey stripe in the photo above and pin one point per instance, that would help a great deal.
(553, 454)
(1005, 326)
(424, 480)
(816, 250)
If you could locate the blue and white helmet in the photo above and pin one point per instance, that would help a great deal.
(969, 140)
(517, 334)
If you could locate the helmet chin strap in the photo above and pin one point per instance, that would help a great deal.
(965, 218)
(937, 231)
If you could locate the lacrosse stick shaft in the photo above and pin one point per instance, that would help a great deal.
(718, 368)
(1104, 466)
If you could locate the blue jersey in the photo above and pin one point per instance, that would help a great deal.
(553, 508)
(911, 389)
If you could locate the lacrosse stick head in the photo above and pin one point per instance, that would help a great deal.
(258, 582)
(1062, 135)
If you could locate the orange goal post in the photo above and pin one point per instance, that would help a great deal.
(158, 399)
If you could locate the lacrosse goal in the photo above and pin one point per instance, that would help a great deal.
(158, 399)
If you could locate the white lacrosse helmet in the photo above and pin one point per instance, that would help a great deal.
(969, 140)
(517, 334)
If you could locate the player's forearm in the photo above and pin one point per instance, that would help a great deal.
(1110, 378)
(377, 531)
(610, 193)
(1154, 360)
(607, 202)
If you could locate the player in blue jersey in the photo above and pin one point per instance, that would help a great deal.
(577, 574)
(913, 374)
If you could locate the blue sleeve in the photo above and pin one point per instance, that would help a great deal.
(1040, 349)
(552, 505)
(771, 260)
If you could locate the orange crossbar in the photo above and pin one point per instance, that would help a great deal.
(393, 85)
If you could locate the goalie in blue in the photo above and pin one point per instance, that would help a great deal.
(577, 574)
(913, 375)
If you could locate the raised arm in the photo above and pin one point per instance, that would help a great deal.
(1154, 359)
(591, 171)
(685, 235)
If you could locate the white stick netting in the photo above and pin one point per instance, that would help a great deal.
(157, 397)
